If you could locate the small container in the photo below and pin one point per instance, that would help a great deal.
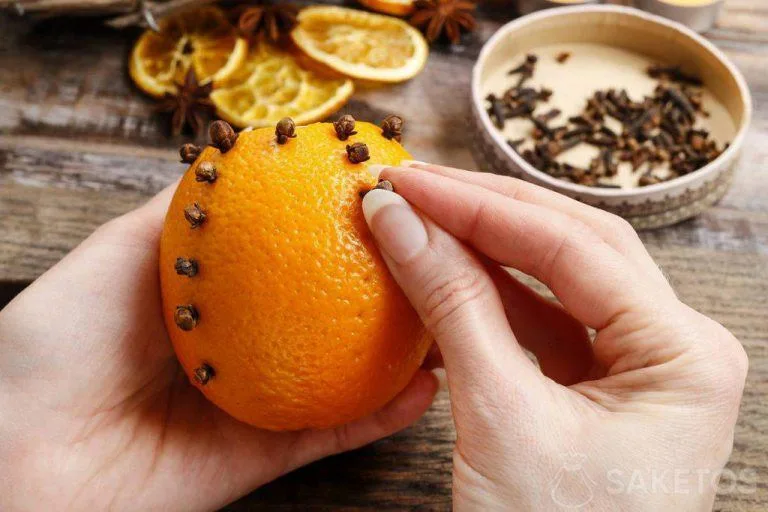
(529, 6)
(699, 15)
(646, 207)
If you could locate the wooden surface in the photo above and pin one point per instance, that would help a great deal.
(79, 145)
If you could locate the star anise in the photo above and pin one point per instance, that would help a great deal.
(272, 20)
(189, 106)
(448, 17)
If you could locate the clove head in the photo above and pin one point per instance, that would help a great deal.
(392, 127)
(203, 374)
(189, 153)
(206, 172)
(385, 185)
(345, 127)
(223, 136)
(186, 317)
(194, 215)
(186, 267)
(358, 152)
(285, 129)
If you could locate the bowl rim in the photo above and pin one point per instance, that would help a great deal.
(509, 28)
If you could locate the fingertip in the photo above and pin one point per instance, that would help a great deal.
(376, 169)
(377, 199)
(414, 163)
(409, 405)
(416, 397)
(398, 230)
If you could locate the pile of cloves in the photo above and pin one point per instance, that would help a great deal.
(657, 132)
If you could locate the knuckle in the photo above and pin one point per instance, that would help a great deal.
(737, 364)
(729, 363)
(577, 233)
(620, 229)
(449, 292)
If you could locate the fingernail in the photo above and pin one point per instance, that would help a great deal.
(375, 169)
(399, 232)
(411, 163)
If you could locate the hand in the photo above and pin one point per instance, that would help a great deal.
(656, 394)
(96, 412)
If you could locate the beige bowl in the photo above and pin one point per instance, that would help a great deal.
(646, 207)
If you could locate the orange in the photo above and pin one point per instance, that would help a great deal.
(393, 7)
(200, 38)
(297, 322)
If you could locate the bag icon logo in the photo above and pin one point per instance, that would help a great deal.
(572, 485)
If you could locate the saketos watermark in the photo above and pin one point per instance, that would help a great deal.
(575, 486)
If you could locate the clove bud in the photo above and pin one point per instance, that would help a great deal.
(186, 317)
(345, 127)
(194, 215)
(357, 153)
(206, 171)
(286, 129)
(385, 185)
(223, 136)
(204, 373)
(186, 267)
(189, 153)
(392, 127)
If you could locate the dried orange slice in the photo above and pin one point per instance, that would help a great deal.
(361, 45)
(201, 38)
(393, 7)
(270, 85)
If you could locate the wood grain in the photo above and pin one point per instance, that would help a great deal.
(80, 145)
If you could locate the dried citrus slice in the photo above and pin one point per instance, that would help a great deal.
(393, 7)
(270, 85)
(360, 44)
(199, 38)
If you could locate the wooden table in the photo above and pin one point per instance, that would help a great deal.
(80, 145)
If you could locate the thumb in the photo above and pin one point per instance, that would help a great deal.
(454, 296)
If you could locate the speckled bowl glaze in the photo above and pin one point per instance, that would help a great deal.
(646, 207)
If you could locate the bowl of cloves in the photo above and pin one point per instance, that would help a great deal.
(618, 108)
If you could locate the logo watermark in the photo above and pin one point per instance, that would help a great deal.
(573, 487)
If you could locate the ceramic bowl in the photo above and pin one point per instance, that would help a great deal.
(660, 39)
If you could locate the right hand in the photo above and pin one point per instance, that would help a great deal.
(656, 394)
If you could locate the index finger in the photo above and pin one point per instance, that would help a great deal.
(615, 231)
(594, 281)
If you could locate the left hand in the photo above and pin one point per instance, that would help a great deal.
(97, 413)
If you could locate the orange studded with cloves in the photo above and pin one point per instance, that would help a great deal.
(277, 301)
